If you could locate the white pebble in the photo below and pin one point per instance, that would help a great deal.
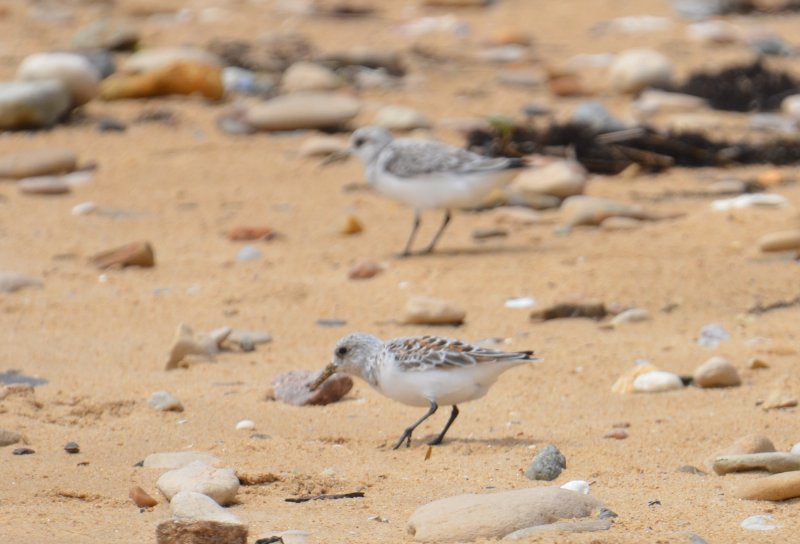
(84, 208)
(749, 201)
(657, 381)
(579, 486)
(245, 424)
(760, 523)
(520, 302)
(795, 449)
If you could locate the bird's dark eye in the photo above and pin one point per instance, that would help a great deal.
(341, 352)
(358, 142)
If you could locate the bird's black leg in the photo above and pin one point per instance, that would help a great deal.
(430, 247)
(407, 251)
(453, 416)
(407, 433)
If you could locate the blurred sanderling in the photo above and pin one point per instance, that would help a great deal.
(428, 175)
(422, 371)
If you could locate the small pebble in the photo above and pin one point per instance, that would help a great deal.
(713, 335)
(618, 434)
(111, 125)
(245, 424)
(23, 451)
(716, 372)
(422, 310)
(760, 523)
(365, 270)
(756, 363)
(351, 225)
(657, 381)
(8, 438)
(84, 208)
(141, 498)
(164, 402)
(72, 447)
(249, 253)
(519, 302)
(547, 464)
(579, 486)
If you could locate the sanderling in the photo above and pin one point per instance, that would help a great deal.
(422, 371)
(428, 175)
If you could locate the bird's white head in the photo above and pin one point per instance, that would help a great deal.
(354, 354)
(367, 142)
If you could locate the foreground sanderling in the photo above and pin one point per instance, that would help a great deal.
(428, 175)
(422, 371)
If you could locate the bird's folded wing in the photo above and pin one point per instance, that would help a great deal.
(435, 352)
(413, 158)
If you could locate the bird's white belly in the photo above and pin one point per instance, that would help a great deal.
(442, 190)
(445, 387)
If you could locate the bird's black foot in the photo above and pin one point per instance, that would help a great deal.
(405, 438)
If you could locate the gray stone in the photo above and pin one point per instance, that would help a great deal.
(188, 505)
(547, 464)
(465, 518)
(177, 459)
(37, 162)
(249, 253)
(309, 110)
(164, 402)
(221, 484)
(115, 35)
(595, 115)
(76, 73)
(32, 104)
(654, 101)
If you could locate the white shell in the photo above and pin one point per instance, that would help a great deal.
(579, 486)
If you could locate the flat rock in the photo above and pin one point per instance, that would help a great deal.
(292, 388)
(778, 487)
(7, 438)
(309, 110)
(74, 71)
(113, 35)
(464, 518)
(582, 526)
(620, 223)
(367, 57)
(787, 240)
(183, 78)
(148, 60)
(322, 146)
(177, 459)
(636, 69)
(400, 118)
(591, 210)
(716, 372)
(751, 443)
(188, 505)
(221, 484)
(561, 179)
(422, 310)
(33, 104)
(770, 461)
(309, 76)
(652, 101)
(547, 464)
(37, 162)
(200, 532)
(657, 381)
(779, 398)
(631, 315)
(133, 254)
(164, 402)
(14, 281)
(142, 499)
(44, 185)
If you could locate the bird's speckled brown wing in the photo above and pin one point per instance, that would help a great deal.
(422, 353)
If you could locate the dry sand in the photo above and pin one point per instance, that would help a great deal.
(102, 344)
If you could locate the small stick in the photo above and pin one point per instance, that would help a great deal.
(306, 498)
